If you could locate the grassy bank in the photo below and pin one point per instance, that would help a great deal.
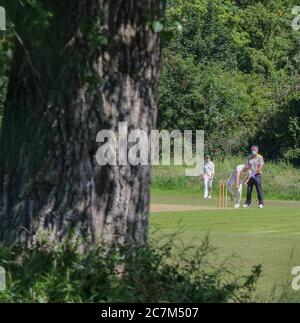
(281, 180)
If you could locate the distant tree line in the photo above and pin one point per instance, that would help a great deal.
(234, 72)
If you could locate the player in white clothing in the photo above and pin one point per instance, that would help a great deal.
(239, 177)
(208, 176)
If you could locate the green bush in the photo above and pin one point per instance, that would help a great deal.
(150, 273)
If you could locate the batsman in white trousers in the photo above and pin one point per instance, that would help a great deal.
(238, 178)
(208, 176)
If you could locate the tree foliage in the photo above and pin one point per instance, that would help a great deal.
(234, 72)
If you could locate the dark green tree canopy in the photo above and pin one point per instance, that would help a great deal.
(234, 72)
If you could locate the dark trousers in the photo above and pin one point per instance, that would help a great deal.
(257, 182)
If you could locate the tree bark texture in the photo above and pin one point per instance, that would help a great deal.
(96, 64)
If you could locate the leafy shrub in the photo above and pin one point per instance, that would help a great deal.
(150, 273)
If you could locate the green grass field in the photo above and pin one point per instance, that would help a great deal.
(270, 237)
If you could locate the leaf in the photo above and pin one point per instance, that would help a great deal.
(178, 26)
(157, 26)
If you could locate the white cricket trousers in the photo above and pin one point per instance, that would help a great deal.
(208, 183)
(236, 193)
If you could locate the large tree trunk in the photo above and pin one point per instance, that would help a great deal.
(96, 64)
